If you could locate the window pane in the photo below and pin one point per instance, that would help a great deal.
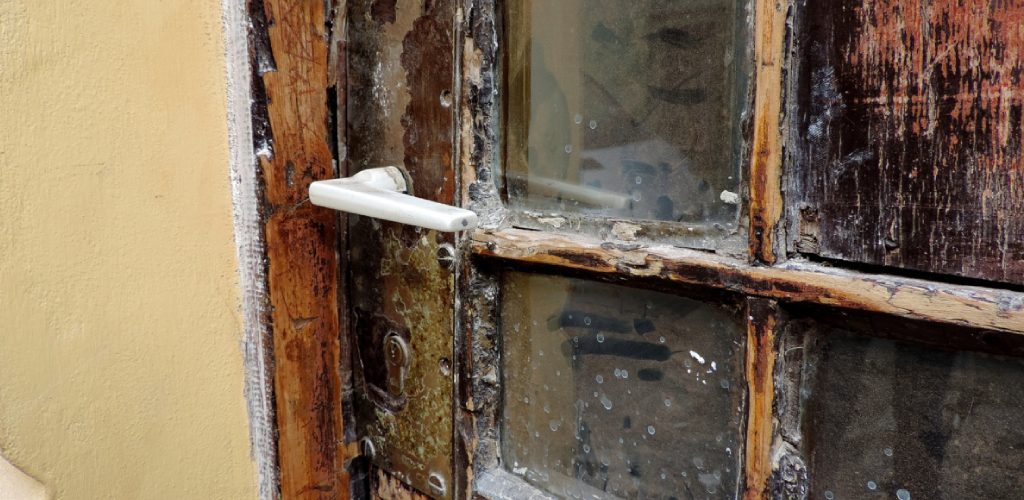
(616, 392)
(626, 108)
(896, 421)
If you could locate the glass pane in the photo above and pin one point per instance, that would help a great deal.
(889, 420)
(626, 108)
(613, 392)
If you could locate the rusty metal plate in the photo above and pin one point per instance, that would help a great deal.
(401, 62)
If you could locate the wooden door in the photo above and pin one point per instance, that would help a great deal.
(678, 288)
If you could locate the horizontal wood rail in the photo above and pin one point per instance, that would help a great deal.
(794, 281)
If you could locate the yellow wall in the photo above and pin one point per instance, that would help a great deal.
(120, 370)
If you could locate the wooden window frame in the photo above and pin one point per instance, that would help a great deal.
(766, 278)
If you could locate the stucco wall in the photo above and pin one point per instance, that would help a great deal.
(120, 370)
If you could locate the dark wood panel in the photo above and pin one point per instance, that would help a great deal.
(292, 134)
(910, 128)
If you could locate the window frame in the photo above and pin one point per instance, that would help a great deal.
(765, 277)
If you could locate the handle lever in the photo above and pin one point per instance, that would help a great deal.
(380, 193)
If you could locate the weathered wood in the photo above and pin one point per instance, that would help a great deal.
(911, 135)
(301, 255)
(761, 321)
(766, 161)
(401, 80)
(793, 282)
(384, 486)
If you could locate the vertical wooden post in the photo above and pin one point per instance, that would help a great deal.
(761, 321)
(766, 160)
(302, 255)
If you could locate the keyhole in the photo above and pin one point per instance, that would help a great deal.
(396, 354)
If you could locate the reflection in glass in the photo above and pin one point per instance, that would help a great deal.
(636, 103)
(889, 420)
(612, 392)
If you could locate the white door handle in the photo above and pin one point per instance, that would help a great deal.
(380, 193)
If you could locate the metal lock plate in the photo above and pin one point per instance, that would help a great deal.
(397, 355)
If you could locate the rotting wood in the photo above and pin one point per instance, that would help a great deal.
(909, 149)
(478, 391)
(337, 79)
(760, 371)
(384, 486)
(301, 254)
(766, 161)
(793, 282)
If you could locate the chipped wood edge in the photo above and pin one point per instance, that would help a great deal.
(760, 373)
(256, 342)
(800, 282)
(770, 17)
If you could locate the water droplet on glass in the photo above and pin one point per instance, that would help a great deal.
(725, 384)
(621, 440)
(595, 394)
(547, 408)
(618, 373)
(698, 462)
(687, 363)
(718, 438)
(607, 403)
(829, 495)
(586, 448)
(668, 402)
(650, 429)
(661, 339)
(600, 337)
(639, 179)
(902, 494)
(593, 125)
(534, 323)
(663, 475)
(536, 434)
(586, 320)
(600, 379)
(872, 486)
(625, 374)
(541, 353)
(888, 452)
(577, 119)
(516, 327)
(637, 196)
(558, 373)
(526, 400)
(568, 148)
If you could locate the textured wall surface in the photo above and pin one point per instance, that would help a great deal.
(120, 369)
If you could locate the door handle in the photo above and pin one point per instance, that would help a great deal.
(381, 193)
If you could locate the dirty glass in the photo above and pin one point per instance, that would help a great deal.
(612, 392)
(888, 420)
(626, 108)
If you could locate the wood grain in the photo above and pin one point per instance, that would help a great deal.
(793, 282)
(760, 369)
(910, 150)
(766, 160)
(301, 254)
